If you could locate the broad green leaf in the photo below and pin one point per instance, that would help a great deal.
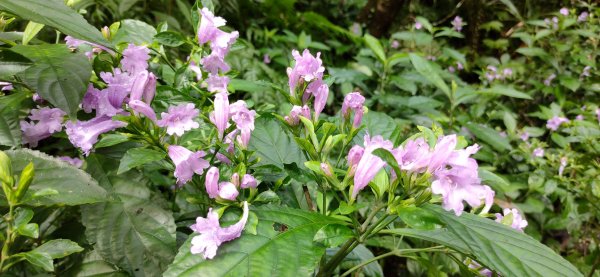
(31, 30)
(497, 183)
(56, 14)
(569, 82)
(134, 31)
(110, 140)
(359, 255)
(11, 64)
(506, 91)
(375, 46)
(170, 38)
(424, 68)
(10, 130)
(58, 248)
(532, 51)
(376, 123)
(489, 136)
(273, 145)
(134, 231)
(283, 246)
(139, 156)
(511, 7)
(74, 186)
(333, 235)
(418, 218)
(38, 259)
(58, 75)
(93, 265)
(509, 121)
(502, 248)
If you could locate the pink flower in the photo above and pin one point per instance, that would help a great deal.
(135, 58)
(395, 44)
(248, 181)
(457, 23)
(244, 121)
(444, 148)
(143, 108)
(179, 119)
(564, 11)
(524, 136)
(187, 163)
(538, 152)
(306, 69)
(293, 119)
(555, 122)
(209, 24)
(354, 155)
(76, 162)
(196, 69)
(518, 222)
(482, 270)
(217, 83)
(214, 63)
(6, 86)
(583, 17)
(222, 190)
(84, 134)
(563, 164)
(49, 121)
(353, 102)
(326, 168)
(369, 164)
(321, 91)
(212, 235)
(266, 59)
(548, 80)
(414, 156)
(579, 117)
(143, 87)
(598, 114)
(459, 181)
(418, 25)
(220, 116)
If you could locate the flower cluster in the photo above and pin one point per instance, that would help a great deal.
(454, 173)
(306, 79)
(43, 123)
(492, 73)
(555, 122)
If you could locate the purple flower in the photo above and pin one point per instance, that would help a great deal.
(212, 235)
(326, 168)
(217, 83)
(459, 66)
(187, 163)
(548, 80)
(244, 121)
(214, 63)
(564, 11)
(518, 222)
(579, 117)
(49, 121)
(585, 72)
(598, 114)
(524, 136)
(563, 164)
(222, 190)
(266, 59)
(507, 72)
(354, 155)
(209, 26)
(482, 270)
(538, 152)
(457, 23)
(179, 119)
(306, 69)
(369, 164)
(196, 69)
(459, 181)
(6, 86)
(555, 122)
(444, 148)
(220, 116)
(395, 44)
(353, 102)
(321, 91)
(84, 134)
(143, 108)
(76, 162)
(248, 182)
(143, 87)
(418, 25)
(293, 119)
(451, 69)
(413, 156)
(135, 58)
(583, 17)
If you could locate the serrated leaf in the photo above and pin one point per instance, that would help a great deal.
(74, 186)
(93, 265)
(12, 63)
(58, 248)
(170, 38)
(426, 70)
(418, 218)
(376, 123)
(58, 75)
(273, 145)
(489, 136)
(139, 156)
(10, 130)
(283, 246)
(333, 235)
(56, 14)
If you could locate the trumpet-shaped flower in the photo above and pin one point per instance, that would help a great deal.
(248, 181)
(84, 134)
(44, 122)
(413, 156)
(321, 91)
(538, 152)
(517, 223)
(217, 83)
(306, 69)
(143, 87)
(209, 24)
(179, 119)
(244, 121)
(212, 235)
(216, 189)
(555, 122)
(143, 108)
(353, 102)
(369, 164)
(135, 58)
(293, 119)
(220, 116)
(187, 163)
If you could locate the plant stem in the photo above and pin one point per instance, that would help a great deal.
(397, 252)
(9, 236)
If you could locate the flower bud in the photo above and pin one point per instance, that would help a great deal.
(211, 183)
(24, 181)
(228, 191)
(5, 169)
(326, 169)
(235, 179)
(248, 181)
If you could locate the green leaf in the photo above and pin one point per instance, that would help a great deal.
(283, 246)
(418, 218)
(11, 64)
(376, 123)
(139, 156)
(29, 230)
(93, 265)
(58, 248)
(509, 121)
(273, 145)
(506, 91)
(134, 31)
(74, 186)
(31, 30)
(134, 231)
(56, 14)
(359, 255)
(497, 183)
(42, 260)
(569, 82)
(110, 140)
(59, 76)
(170, 38)
(532, 51)
(489, 136)
(10, 129)
(374, 44)
(333, 235)
(426, 70)
(502, 248)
